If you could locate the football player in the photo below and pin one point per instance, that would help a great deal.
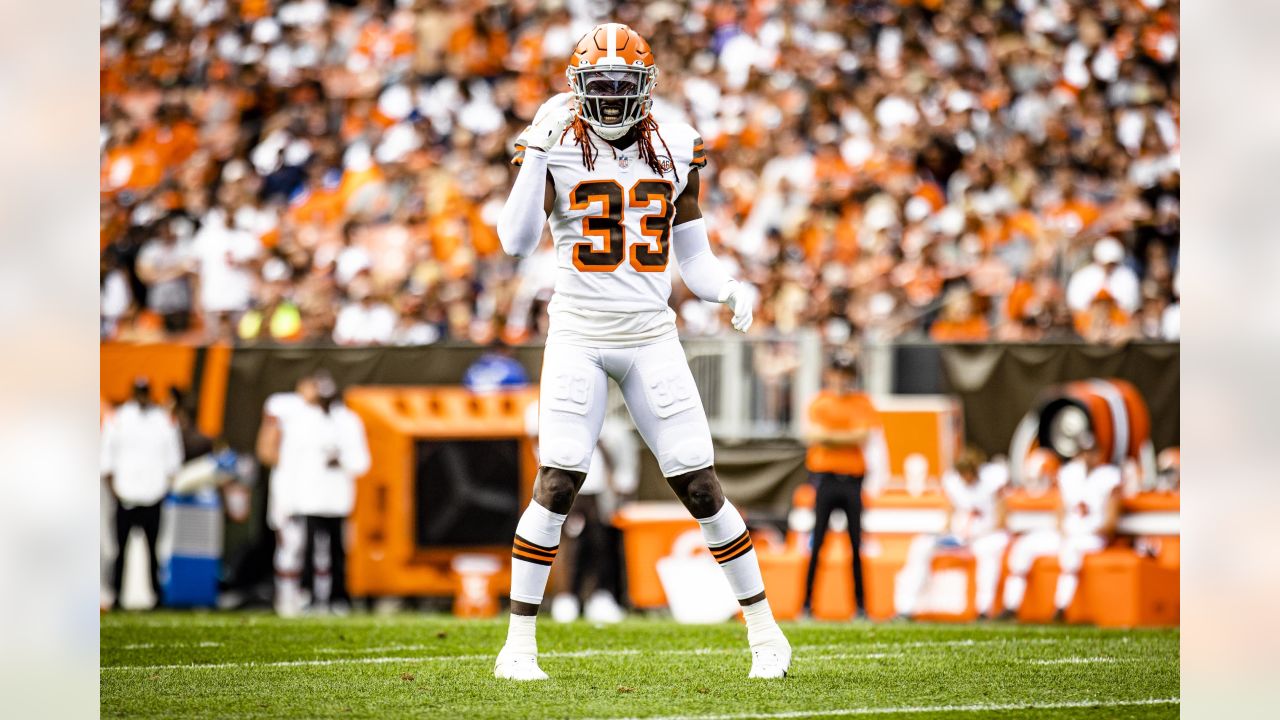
(621, 192)
(974, 489)
(1090, 489)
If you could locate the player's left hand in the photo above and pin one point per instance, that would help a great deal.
(741, 298)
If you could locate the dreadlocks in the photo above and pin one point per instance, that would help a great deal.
(647, 128)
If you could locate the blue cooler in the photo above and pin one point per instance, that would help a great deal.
(190, 577)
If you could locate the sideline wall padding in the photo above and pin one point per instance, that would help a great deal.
(997, 384)
(165, 365)
(256, 373)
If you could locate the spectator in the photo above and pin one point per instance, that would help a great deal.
(141, 450)
(364, 320)
(163, 265)
(1105, 274)
(224, 256)
(953, 141)
(960, 321)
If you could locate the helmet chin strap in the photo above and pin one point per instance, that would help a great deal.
(611, 133)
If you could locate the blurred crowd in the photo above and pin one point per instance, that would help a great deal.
(331, 172)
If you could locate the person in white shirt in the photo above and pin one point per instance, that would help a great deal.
(318, 448)
(333, 445)
(283, 516)
(141, 450)
(1106, 272)
(974, 490)
(163, 264)
(1090, 490)
(364, 320)
(223, 255)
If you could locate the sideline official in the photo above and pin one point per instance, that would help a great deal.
(841, 422)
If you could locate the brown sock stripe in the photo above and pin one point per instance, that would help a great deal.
(518, 555)
(530, 549)
(719, 553)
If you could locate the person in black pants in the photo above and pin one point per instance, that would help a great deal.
(141, 450)
(841, 420)
(146, 517)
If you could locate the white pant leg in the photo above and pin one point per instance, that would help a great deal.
(1025, 550)
(911, 579)
(291, 545)
(572, 397)
(1070, 557)
(663, 400)
(988, 551)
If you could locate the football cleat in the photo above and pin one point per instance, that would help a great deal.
(771, 660)
(517, 666)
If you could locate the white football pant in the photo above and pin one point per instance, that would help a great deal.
(659, 391)
(1070, 550)
(988, 552)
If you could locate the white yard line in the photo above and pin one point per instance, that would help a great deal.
(149, 646)
(849, 656)
(827, 646)
(983, 707)
(800, 649)
(1081, 660)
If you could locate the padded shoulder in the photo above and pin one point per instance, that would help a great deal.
(686, 144)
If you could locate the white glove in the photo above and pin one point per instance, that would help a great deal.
(545, 133)
(741, 298)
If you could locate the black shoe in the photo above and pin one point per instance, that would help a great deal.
(1007, 614)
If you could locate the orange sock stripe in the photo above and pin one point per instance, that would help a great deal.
(733, 546)
(519, 554)
(739, 553)
(533, 553)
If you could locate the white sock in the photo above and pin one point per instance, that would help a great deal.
(761, 627)
(1065, 591)
(522, 635)
(1014, 587)
(535, 546)
(730, 543)
(288, 599)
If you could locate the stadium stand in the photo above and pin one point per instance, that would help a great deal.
(331, 172)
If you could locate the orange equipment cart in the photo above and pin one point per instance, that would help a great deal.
(388, 555)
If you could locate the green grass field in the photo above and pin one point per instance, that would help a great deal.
(171, 665)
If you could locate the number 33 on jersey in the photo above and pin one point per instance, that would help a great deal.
(612, 223)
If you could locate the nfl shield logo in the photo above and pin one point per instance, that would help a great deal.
(624, 161)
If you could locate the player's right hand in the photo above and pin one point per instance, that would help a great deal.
(549, 124)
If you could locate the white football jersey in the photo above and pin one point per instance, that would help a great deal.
(974, 506)
(1084, 496)
(612, 231)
